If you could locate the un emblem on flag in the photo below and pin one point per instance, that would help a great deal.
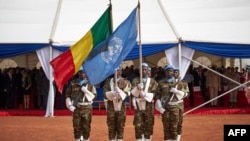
(111, 52)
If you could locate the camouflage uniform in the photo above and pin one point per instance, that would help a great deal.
(181, 106)
(116, 119)
(184, 87)
(82, 115)
(173, 107)
(144, 119)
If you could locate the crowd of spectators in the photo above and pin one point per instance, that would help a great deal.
(21, 87)
(212, 84)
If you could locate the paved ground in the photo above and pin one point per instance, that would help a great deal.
(32, 128)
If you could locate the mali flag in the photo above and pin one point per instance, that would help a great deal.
(69, 62)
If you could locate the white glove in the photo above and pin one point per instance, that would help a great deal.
(142, 93)
(158, 106)
(72, 108)
(179, 94)
(117, 89)
(134, 103)
(162, 110)
(106, 103)
(174, 90)
(84, 89)
(140, 86)
(117, 95)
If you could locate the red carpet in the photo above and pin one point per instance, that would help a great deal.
(16, 112)
(243, 107)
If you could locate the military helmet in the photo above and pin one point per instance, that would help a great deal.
(167, 67)
(81, 69)
(149, 68)
(176, 69)
(144, 65)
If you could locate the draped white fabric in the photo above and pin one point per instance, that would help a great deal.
(44, 58)
(172, 56)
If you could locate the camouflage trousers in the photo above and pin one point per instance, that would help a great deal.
(82, 118)
(116, 122)
(181, 111)
(143, 123)
(170, 120)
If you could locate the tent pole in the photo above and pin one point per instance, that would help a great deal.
(240, 64)
(216, 72)
(227, 92)
(50, 101)
(179, 55)
(217, 97)
(174, 30)
(168, 20)
(53, 29)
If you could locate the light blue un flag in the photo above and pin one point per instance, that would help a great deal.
(103, 61)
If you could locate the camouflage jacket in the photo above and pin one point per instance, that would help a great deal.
(163, 91)
(123, 84)
(74, 88)
(152, 85)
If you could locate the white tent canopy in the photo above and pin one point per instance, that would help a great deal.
(31, 21)
(220, 21)
(63, 22)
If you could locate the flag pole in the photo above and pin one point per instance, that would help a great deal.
(111, 15)
(111, 19)
(50, 101)
(139, 41)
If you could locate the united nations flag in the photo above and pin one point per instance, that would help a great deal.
(109, 54)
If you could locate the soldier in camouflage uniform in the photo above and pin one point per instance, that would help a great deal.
(78, 102)
(149, 73)
(181, 104)
(116, 117)
(144, 118)
(168, 97)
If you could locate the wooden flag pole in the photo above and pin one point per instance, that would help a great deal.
(140, 45)
(111, 19)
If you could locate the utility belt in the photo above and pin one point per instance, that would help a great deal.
(84, 103)
(175, 103)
